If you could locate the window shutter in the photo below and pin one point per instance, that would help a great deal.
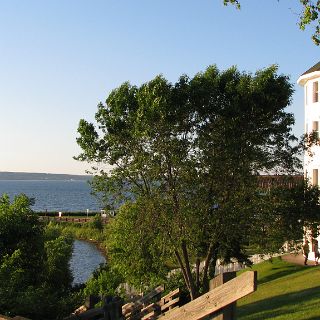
(315, 91)
(315, 177)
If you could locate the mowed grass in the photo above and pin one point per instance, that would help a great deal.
(285, 291)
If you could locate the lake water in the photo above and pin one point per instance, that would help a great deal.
(53, 195)
(85, 259)
(65, 196)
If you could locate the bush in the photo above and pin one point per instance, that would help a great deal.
(103, 282)
(35, 279)
(96, 222)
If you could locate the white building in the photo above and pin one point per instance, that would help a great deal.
(310, 81)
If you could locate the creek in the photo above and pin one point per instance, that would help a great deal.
(85, 259)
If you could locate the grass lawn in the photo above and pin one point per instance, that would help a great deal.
(285, 291)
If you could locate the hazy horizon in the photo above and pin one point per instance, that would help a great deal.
(59, 59)
(60, 173)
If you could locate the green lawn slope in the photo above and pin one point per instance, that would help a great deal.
(285, 291)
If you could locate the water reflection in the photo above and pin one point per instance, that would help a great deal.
(85, 259)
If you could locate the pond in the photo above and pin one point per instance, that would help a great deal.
(85, 259)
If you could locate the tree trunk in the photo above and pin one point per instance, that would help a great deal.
(193, 291)
(183, 270)
(205, 279)
(198, 274)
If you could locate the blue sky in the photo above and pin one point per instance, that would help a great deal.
(59, 59)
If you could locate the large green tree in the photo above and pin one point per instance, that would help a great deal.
(309, 15)
(184, 158)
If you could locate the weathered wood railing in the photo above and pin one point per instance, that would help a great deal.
(142, 306)
(130, 311)
(154, 309)
(218, 303)
(217, 299)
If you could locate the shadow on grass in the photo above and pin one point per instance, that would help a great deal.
(281, 272)
(273, 307)
(276, 268)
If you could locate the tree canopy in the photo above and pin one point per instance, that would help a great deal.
(184, 159)
(309, 15)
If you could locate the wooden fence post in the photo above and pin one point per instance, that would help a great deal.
(216, 299)
(113, 308)
(91, 301)
(227, 313)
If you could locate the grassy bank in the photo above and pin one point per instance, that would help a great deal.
(285, 291)
(88, 231)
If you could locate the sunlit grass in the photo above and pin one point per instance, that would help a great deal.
(285, 291)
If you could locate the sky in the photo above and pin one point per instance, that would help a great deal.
(59, 59)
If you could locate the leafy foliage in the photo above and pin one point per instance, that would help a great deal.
(35, 280)
(134, 250)
(20, 230)
(96, 222)
(184, 158)
(58, 253)
(283, 213)
(103, 282)
(310, 15)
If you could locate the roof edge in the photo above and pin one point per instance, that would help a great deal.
(316, 67)
(303, 79)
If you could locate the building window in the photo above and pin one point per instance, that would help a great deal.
(315, 177)
(315, 92)
(315, 129)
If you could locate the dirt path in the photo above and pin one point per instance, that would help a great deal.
(297, 259)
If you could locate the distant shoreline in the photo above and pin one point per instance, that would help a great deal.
(42, 176)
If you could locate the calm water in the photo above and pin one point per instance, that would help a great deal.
(85, 259)
(53, 195)
(62, 195)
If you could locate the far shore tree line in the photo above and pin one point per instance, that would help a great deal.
(182, 163)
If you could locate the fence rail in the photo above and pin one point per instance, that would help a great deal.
(218, 303)
(70, 219)
(236, 265)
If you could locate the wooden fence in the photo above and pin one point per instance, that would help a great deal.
(236, 266)
(144, 308)
(70, 219)
(219, 303)
(217, 299)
